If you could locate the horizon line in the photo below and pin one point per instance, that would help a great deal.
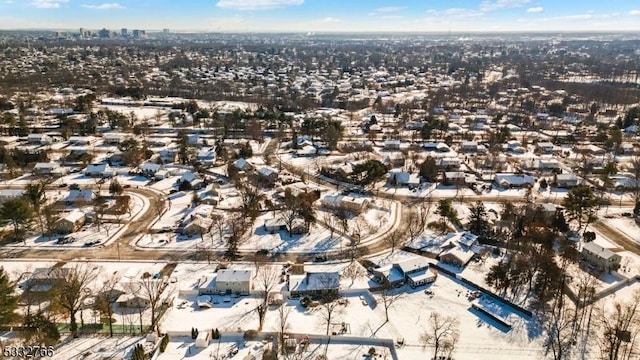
(320, 32)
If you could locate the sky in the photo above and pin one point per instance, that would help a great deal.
(324, 15)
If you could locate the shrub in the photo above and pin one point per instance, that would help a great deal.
(163, 343)
(250, 334)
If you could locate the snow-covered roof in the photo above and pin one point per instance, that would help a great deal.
(598, 250)
(241, 164)
(228, 275)
(514, 179)
(150, 167)
(463, 256)
(267, 171)
(74, 216)
(412, 264)
(323, 280)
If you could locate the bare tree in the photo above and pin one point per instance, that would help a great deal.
(559, 325)
(283, 325)
(442, 334)
(620, 329)
(71, 288)
(152, 289)
(329, 309)
(389, 296)
(218, 225)
(106, 299)
(330, 222)
(394, 239)
(266, 280)
(353, 271)
(358, 230)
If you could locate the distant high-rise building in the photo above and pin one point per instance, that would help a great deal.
(124, 32)
(139, 33)
(104, 33)
(166, 31)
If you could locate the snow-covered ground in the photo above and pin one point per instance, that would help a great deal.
(407, 319)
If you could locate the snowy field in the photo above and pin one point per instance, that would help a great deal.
(408, 319)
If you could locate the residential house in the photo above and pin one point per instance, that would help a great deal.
(600, 257)
(242, 165)
(234, 281)
(515, 147)
(150, 170)
(102, 170)
(436, 146)
(307, 151)
(415, 271)
(192, 179)
(566, 181)
(545, 147)
(403, 178)
(114, 138)
(315, 283)
(392, 145)
(627, 148)
(7, 194)
(49, 169)
(38, 139)
(206, 156)
(81, 140)
(469, 147)
(8, 141)
(456, 256)
(449, 164)
(71, 223)
(514, 180)
(196, 225)
(42, 280)
(210, 196)
(274, 225)
(350, 203)
(131, 295)
(546, 165)
(268, 174)
(395, 159)
(79, 197)
(457, 178)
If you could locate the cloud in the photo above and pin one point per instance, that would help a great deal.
(330, 20)
(48, 4)
(537, 9)
(493, 5)
(257, 4)
(389, 9)
(634, 12)
(106, 6)
(456, 13)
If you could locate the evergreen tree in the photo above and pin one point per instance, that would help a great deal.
(581, 205)
(18, 214)
(478, 223)
(429, 170)
(138, 353)
(38, 329)
(8, 301)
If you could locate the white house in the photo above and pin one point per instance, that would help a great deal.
(38, 139)
(102, 170)
(514, 180)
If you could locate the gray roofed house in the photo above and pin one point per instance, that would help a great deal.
(514, 180)
(7, 194)
(234, 281)
(600, 257)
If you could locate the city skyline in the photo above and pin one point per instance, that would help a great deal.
(324, 15)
